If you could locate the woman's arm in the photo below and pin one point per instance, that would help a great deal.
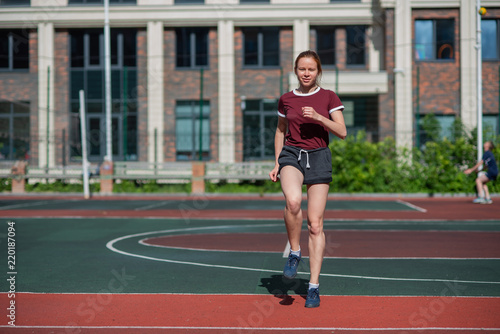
(335, 125)
(472, 169)
(279, 141)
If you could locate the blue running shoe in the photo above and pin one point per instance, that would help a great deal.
(291, 267)
(312, 299)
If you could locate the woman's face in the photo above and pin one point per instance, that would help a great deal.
(307, 72)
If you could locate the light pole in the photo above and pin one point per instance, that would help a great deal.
(107, 82)
(479, 12)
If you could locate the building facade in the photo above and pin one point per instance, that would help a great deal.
(200, 79)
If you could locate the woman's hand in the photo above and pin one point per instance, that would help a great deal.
(309, 112)
(274, 173)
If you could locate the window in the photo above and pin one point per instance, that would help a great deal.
(361, 114)
(14, 50)
(356, 46)
(187, 130)
(189, 2)
(490, 126)
(325, 45)
(434, 39)
(261, 47)
(254, 1)
(101, 2)
(14, 130)
(192, 47)
(489, 39)
(15, 2)
(259, 127)
(87, 48)
(87, 73)
(433, 127)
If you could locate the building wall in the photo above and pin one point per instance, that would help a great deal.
(62, 90)
(141, 94)
(439, 86)
(439, 83)
(491, 76)
(261, 83)
(386, 101)
(184, 84)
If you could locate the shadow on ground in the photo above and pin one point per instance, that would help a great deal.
(279, 287)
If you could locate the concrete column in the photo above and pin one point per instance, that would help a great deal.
(46, 92)
(198, 177)
(225, 31)
(468, 68)
(300, 37)
(106, 173)
(376, 37)
(18, 177)
(155, 91)
(403, 74)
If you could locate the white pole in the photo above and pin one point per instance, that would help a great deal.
(107, 79)
(85, 163)
(479, 84)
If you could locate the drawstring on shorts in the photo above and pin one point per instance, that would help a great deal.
(307, 157)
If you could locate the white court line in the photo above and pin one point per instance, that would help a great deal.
(151, 206)
(411, 205)
(30, 204)
(110, 246)
(267, 328)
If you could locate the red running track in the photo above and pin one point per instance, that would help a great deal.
(69, 313)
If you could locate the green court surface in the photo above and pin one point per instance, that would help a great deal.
(102, 255)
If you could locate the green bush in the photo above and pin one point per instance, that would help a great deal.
(6, 185)
(361, 166)
(59, 186)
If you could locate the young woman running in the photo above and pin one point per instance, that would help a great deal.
(306, 117)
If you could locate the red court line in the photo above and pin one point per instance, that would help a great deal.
(356, 244)
(253, 311)
(436, 209)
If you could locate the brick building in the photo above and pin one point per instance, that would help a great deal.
(181, 67)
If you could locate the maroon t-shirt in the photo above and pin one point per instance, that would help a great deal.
(302, 132)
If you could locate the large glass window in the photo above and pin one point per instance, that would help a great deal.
(254, 1)
(188, 119)
(489, 39)
(14, 49)
(189, 2)
(356, 45)
(15, 2)
(434, 39)
(87, 73)
(259, 127)
(361, 114)
(14, 130)
(192, 47)
(490, 126)
(325, 45)
(261, 46)
(101, 2)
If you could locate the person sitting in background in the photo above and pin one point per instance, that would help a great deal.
(483, 177)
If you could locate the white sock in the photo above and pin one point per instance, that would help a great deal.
(296, 253)
(313, 286)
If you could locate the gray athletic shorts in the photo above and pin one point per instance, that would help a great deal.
(315, 165)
